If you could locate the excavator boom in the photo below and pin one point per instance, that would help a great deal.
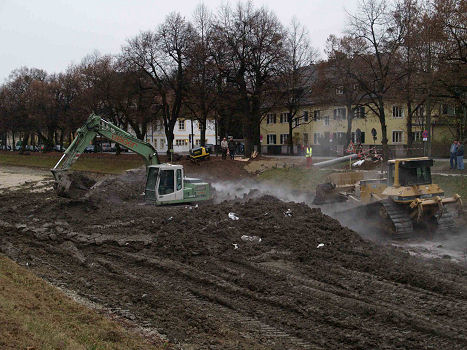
(94, 126)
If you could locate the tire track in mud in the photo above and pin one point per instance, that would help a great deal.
(340, 300)
(197, 295)
(182, 278)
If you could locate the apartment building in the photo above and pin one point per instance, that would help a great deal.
(325, 126)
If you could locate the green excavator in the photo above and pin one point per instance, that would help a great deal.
(165, 183)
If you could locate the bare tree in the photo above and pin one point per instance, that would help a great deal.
(296, 76)
(377, 47)
(252, 47)
(201, 88)
(339, 84)
(162, 56)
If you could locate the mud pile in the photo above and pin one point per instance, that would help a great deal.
(244, 274)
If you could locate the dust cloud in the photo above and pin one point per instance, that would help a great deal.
(245, 189)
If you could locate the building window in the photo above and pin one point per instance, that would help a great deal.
(340, 90)
(316, 115)
(305, 138)
(362, 137)
(305, 116)
(181, 125)
(271, 139)
(339, 113)
(417, 136)
(284, 138)
(297, 122)
(419, 112)
(359, 112)
(397, 112)
(284, 118)
(162, 143)
(316, 137)
(326, 120)
(271, 118)
(180, 142)
(397, 137)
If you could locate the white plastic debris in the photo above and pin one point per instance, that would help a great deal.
(233, 216)
(246, 238)
(196, 206)
(235, 245)
(171, 218)
(321, 245)
(288, 212)
(359, 162)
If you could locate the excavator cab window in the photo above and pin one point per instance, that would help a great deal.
(166, 182)
(179, 179)
(150, 191)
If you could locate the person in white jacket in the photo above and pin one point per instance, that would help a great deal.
(224, 148)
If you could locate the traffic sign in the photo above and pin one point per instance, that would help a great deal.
(425, 135)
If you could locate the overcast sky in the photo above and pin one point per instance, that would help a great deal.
(51, 34)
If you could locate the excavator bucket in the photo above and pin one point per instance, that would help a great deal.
(71, 185)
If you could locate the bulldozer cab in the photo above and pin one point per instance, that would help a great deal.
(409, 172)
(164, 183)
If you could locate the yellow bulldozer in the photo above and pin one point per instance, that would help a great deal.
(406, 197)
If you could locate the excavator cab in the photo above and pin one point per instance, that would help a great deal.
(166, 184)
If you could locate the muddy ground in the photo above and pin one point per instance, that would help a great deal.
(186, 273)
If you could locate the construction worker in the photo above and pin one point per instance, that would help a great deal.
(224, 147)
(308, 156)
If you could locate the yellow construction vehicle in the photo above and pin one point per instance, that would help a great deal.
(199, 153)
(406, 197)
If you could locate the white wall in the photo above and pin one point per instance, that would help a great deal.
(156, 136)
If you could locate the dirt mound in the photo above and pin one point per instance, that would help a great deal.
(255, 273)
(119, 189)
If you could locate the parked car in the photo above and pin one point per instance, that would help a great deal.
(106, 147)
(58, 148)
(32, 148)
(89, 149)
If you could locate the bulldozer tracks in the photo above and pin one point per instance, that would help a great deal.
(400, 219)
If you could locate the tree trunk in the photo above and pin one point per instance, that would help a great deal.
(409, 129)
(384, 136)
(13, 147)
(350, 116)
(61, 139)
(202, 131)
(249, 139)
(290, 140)
(24, 142)
(427, 144)
(170, 142)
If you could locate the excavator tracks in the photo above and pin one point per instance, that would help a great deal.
(402, 224)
